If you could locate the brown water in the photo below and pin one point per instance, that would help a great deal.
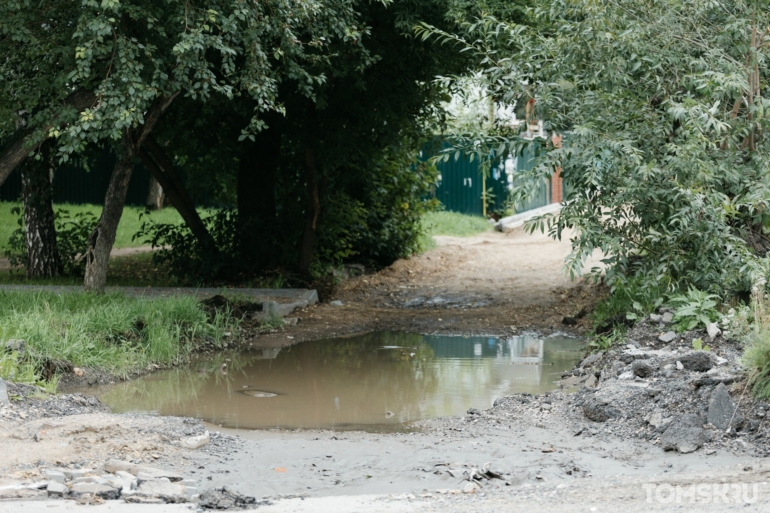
(374, 382)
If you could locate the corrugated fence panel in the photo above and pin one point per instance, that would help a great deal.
(73, 184)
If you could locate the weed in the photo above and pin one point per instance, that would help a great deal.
(696, 308)
(606, 342)
(697, 345)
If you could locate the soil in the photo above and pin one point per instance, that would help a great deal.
(538, 453)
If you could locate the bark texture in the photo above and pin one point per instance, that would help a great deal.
(155, 195)
(103, 237)
(40, 231)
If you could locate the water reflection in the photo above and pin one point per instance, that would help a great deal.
(374, 382)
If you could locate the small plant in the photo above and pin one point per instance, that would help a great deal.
(605, 342)
(696, 308)
(697, 345)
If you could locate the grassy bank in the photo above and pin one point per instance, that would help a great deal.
(111, 332)
(129, 223)
(452, 224)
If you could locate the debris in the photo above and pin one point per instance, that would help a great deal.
(195, 442)
(685, 434)
(56, 489)
(698, 361)
(668, 336)
(713, 330)
(222, 498)
(4, 392)
(337, 302)
(722, 411)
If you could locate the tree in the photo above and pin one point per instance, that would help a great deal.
(663, 111)
(130, 59)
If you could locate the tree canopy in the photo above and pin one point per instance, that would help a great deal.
(663, 110)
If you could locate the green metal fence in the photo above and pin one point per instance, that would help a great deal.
(74, 184)
(460, 186)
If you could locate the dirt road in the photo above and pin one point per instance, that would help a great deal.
(492, 283)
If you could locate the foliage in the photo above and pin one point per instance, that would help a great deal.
(72, 232)
(632, 300)
(664, 121)
(113, 332)
(454, 224)
(697, 345)
(696, 308)
(14, 367)
(606, 342)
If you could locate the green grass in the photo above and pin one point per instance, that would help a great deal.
(113, 332)
(450, 223)
(129, 223)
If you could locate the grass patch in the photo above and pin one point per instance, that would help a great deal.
(129, 222)
(449, 223)
(112, 332)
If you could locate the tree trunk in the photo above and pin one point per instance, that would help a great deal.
(103, 237)
(307, 245)
(163, 171)
(256, 196)
(42, 255)
(155, 195)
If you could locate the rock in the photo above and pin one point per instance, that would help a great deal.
(115, 466)
(222, 498)
(667, 317)
(102, 491)
(685, 434)
(195, 442)
(470, 487)
(713, 330)
(55, 475)
(698, 361)
(57, 489)
(655, 317)
(679, 365)
(642, 368)
(4, 393)
(721, 361)
(658, 421)
(668, 336)
(616, 368)
(337, 302)
(722, 410)
(74, 473)
(15, 346)
(591, 359)
(167, 491)
(599, 410)
(546, 407)
(625, 376)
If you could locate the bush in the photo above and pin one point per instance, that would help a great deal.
(72, 232)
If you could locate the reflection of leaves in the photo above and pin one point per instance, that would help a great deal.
(163, 389)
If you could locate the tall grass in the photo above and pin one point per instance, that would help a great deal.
(756, 356)
(113, 332)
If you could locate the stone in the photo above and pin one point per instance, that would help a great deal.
(697, 361)
(721, 361)
(4, 393)
(167, 491)
(713, 330)
(337, 302)
(57, 489)
(115, 466)
(599, 410)
(15, 346)
(55, 475)
(655, 317)
(642, 368)
(679, 365)
(658, 420)
(74, 473)
(667, 317)
(591, 359)
(625, 376)
(470, 487)
(195, 442)
(102, 491)
(684, 434)
(722, 410)
(668, 336)
(222, 498)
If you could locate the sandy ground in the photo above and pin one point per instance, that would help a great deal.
(492, 283)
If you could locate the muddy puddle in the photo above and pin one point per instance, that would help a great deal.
(375, 382)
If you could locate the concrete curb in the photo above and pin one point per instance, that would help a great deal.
(510, 223)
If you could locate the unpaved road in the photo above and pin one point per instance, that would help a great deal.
(491, 283)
